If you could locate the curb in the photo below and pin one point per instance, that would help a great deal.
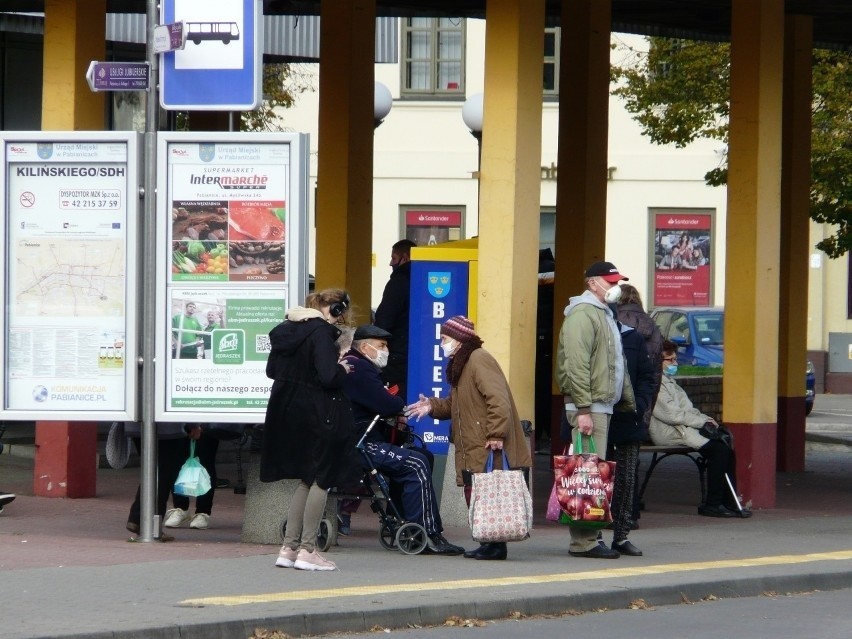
(502, 608)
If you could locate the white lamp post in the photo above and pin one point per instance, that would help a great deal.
(472, 116)
(382, 103)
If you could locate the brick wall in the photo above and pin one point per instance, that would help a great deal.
(705, 393)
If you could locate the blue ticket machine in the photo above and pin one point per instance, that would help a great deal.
(443, 284)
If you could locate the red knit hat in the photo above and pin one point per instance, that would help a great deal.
(458, 327)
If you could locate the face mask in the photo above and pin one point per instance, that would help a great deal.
(381, 359)
(670, 369)
(613, 295)
(449, 348)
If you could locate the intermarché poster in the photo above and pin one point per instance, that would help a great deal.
(67, 236)
(227, 245)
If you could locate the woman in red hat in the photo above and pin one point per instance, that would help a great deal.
(482, 410)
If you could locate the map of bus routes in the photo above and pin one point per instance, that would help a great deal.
(69, 278)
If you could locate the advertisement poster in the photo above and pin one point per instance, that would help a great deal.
(227, 279)
(682, 252)
(439, 290)
(433, 226)
(66, 267)
(220, 343)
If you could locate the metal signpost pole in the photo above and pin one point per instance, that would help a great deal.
(149, 526)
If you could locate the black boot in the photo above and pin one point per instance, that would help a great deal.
(472, 554)
(493, 551)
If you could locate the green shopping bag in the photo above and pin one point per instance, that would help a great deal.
(193, 480)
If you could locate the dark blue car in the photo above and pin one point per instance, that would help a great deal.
(699, 332)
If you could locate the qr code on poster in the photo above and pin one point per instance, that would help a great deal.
(261, 344)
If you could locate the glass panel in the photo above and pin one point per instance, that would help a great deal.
(418, 76)
(549, 76)
(679, 330)
(423, 23)
(449, 23)
(449, 76)
(549, 44)
(449, 45)
(419, 45)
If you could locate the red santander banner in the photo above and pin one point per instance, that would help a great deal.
(682, 251)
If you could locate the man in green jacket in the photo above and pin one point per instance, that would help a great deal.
(591, 373)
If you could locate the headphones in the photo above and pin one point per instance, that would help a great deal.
(339, 308)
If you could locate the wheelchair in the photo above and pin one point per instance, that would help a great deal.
(395, 532)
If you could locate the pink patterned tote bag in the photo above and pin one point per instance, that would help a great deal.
(500, 505)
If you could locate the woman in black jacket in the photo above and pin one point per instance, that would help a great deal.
(308, 430)
(626, 432)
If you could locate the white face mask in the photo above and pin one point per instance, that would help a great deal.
(449, 347)
(611, 296)
(381, 359)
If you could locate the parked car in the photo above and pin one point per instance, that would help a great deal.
(699, 332)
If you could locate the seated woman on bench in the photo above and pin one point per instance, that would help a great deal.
(676, 422)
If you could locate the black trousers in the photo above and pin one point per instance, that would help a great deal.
(171, 454)
(205, 449)
(720, 461)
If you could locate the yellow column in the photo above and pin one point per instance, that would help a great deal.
(510, 187)
(583, 127)
(344, 207)
(795, 228)
(750, 383)
(74, 35)
(581, 183)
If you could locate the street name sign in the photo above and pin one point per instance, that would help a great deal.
(117, 76)
(169, 37)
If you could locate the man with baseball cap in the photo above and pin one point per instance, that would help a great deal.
(590, 370)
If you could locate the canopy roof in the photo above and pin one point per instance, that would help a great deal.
(694, 19)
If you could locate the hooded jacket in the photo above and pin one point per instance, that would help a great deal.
(590, 368)
(309, 432)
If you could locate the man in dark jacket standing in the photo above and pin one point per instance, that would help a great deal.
(392, 315)
(405, 466)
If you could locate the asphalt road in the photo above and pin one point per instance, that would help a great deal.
(816, 615)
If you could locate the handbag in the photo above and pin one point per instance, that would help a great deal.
(553, 508)
(718, 433)
(500, 504)
(584, 485)
(193, 480)
(117, 446)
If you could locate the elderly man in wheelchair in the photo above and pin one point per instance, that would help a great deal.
(409, 469)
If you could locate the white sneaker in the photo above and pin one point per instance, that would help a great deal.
(286, 557)
(176, 517)
(201, 521)
(312, 561)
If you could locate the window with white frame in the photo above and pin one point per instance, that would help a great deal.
(433, 57)
(551, 61)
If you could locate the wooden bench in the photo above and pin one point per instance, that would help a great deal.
(659, 453)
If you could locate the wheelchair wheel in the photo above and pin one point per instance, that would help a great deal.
(324, 535)
(411, 538)
(387, 535)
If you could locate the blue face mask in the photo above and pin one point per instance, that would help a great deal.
(671, 369)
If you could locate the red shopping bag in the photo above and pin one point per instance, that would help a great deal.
(584, 485)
